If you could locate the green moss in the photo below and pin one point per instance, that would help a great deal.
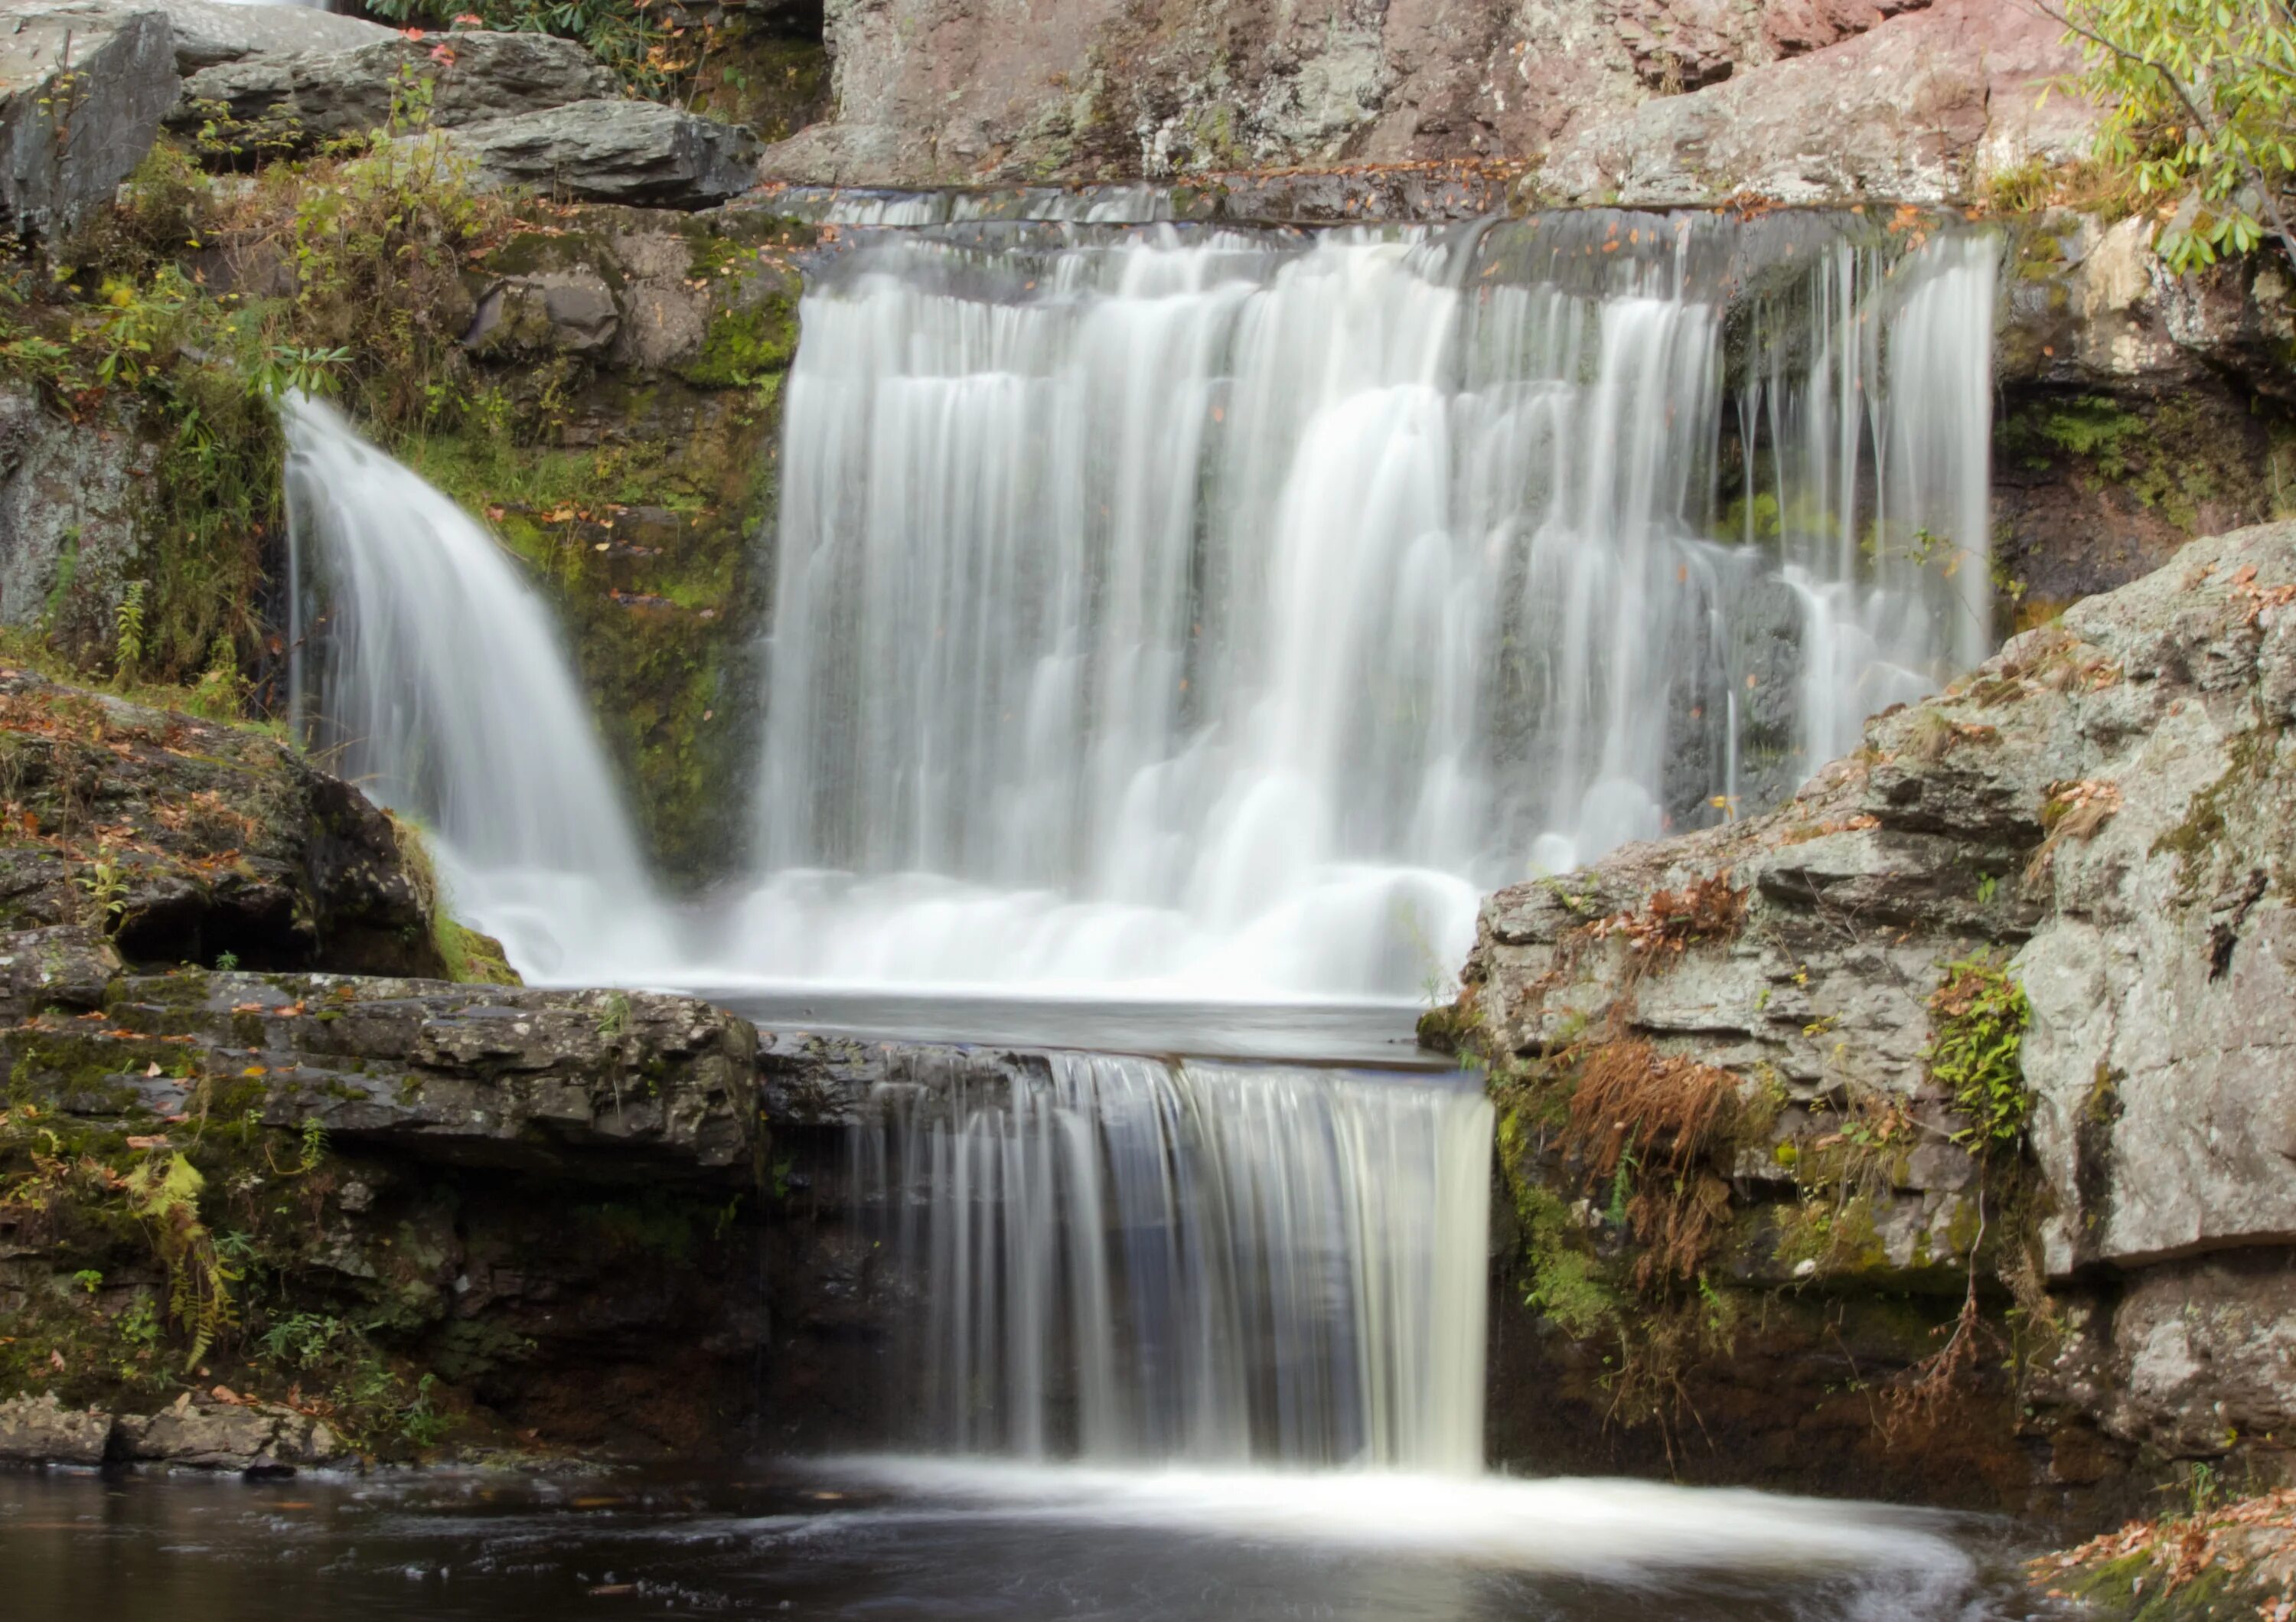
(746, 348)
(656, 1223)
(2180, 456)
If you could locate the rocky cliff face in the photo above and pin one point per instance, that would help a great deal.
(1990, 1013)
(1641, 101)
(259, 1220)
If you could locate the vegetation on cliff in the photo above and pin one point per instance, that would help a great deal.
(632, 468)
(2199, 104)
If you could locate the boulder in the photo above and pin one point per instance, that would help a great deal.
(71, 496)
(41, 1431)
(250, 1439)
(621, 152)
(206, 32)
(157, 836)
(1920, 108)
(83, 87)
(2102, 811)
(300, 99)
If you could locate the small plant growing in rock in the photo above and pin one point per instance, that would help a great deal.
(128, 623)
(1976, 1054)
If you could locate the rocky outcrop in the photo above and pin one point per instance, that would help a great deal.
(282, 102)
(1670, 100)
(2094, 820)
(41, 1431)
(161, 837)
(631, 1085)
(1920, 109)
(615, 152)
(83, 87)
(2136, 408)
(245, 1438)
(208, 33)
(71, 497)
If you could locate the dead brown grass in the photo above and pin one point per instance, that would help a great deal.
(1662, 1115)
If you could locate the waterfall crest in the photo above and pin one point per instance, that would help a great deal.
(1224, 613)
(426, 670)
(1124, 1260)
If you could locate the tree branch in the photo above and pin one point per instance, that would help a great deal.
(2188, 98)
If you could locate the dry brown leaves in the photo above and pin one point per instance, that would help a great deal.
(2185, 1547)
(1670, 921)
(2254, 598)
(2072, 811)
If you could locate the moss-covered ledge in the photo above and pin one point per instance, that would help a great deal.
(630, 368)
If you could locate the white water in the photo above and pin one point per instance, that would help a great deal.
(1126, 1260)
(427, 671)
(1222, 617)
(1603, 1529)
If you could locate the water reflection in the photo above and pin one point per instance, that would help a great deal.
(945, 1540)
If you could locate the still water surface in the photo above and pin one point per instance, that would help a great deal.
(948, 1540)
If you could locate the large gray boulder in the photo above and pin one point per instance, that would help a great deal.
(301, 98)
(83, 87)
(210, 31)
(2104, 811)
(250, 1439)
(616, 152)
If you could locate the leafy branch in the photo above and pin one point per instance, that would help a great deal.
(2200, 99)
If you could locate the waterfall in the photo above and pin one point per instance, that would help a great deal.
(1222, 613)
(426, 670)
(1124, 1260)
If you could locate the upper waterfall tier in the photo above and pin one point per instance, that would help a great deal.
(1225, 612)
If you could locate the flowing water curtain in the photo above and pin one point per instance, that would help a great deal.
(1875, 400)
(1123, 1260)
(1235, 609)
(427, 671)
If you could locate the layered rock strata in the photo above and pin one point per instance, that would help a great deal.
(2074, 855)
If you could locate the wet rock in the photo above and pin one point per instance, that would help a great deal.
(83, 87)
(41, 1431)
(2104, 809)
(67, 490)
(69, 966)
(275, 101)
(247, 1438)
(626, 1085)
(621, 152)
(809, 1080)
(958, 91)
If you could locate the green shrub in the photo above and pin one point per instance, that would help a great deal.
(2199, 104)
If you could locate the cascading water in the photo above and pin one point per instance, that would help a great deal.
(442, 690)
(1220, 616)
(1125, 1261)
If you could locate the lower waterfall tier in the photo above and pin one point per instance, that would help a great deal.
(1129, 1260)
